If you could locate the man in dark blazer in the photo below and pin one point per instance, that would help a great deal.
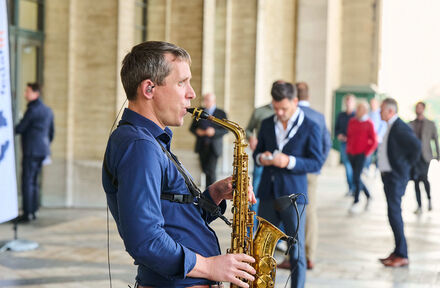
(397, 153)
(426, 131)
(289, 146)
(209, 144)
(37, 132)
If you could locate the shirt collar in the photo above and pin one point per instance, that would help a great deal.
(165, 135)
(291, 119)
(392, 120)
(364, 118)
(211, 110)
(33, 102)
(304, 103)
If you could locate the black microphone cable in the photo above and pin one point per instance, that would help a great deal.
(293, 198)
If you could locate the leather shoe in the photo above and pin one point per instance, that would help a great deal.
(396, 262)
(390, 257)
(284, 265)
(310, 264)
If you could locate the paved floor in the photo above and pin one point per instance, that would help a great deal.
(73, 253)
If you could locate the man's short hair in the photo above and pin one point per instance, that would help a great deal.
(35, 87)
(421, 103)
(147, 61)
(303, 90)
(349, 95)
(282, 90)
(390, 103)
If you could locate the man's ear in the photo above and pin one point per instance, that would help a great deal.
(146, 88)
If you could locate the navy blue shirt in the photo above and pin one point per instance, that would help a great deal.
(161, 236)
(342, 123)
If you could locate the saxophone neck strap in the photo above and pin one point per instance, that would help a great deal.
(199, 199)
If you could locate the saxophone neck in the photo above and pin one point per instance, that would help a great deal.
(238, 132)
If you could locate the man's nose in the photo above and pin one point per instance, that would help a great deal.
(190, 94)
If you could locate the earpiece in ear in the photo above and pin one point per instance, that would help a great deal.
(150, 88)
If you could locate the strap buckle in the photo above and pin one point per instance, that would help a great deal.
(177, 198)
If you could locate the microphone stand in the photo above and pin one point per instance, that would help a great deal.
(18, 245)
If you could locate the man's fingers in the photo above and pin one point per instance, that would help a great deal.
(251, 198)
(243, 266)
(244, 275)
(239, 283)
(244, 258)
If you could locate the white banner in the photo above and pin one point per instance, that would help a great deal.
(8, 182)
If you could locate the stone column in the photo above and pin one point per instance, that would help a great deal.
(56, 74)
(275, 46)
(360, 42)
(81, 63)
(208, 61)
(318, 51)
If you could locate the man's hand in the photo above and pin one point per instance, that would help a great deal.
(222, 189)
(200, 132)
(342, 138)
(210, 132)
(266, 158)
(253, 141)
(225, 268)
(280, 160)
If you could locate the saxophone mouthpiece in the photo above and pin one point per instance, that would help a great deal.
(198, 113)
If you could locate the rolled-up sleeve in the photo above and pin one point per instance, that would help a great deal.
(141, 224)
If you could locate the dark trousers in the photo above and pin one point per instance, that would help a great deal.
(357, 163)
(394, 186)
(29, 184)
(289, 220)
(208, 162)
(420, 174)
(427, 189)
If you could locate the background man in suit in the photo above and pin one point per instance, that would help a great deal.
(289, 147)
(209, 142)
(398, 151)
(426, 131)
(37, 132)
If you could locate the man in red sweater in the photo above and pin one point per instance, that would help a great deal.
(361, 142)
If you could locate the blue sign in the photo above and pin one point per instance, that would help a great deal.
(8, 180)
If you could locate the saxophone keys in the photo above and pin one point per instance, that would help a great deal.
(267, 265)
(263, 281)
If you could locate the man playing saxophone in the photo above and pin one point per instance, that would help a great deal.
(146, 187)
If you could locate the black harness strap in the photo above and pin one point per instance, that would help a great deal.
(179, 198)
(203, 202)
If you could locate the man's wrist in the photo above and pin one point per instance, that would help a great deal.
(201, 269)
(213, 193)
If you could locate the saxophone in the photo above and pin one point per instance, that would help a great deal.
(262, 246)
